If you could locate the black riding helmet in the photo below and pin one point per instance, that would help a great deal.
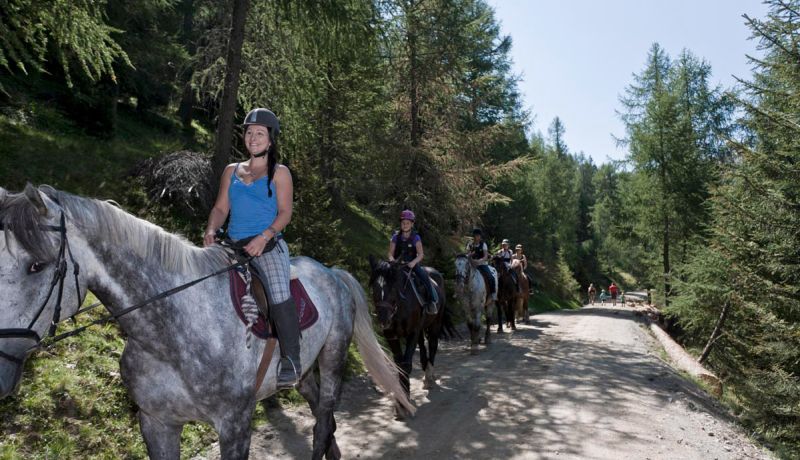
(477, 231)
(263, 117)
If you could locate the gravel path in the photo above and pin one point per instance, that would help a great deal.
(583, 384)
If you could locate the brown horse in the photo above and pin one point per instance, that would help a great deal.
(403, 320)
(521, 307)
(507, 294)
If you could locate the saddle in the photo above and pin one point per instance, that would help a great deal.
(419, 288)
(306, 310)
(486, 279)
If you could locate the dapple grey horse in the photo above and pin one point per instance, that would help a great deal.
(471, 293)
(186, 356)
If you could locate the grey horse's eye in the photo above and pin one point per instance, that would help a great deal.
(36, 267)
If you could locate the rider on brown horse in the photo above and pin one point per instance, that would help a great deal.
(523, 261)
(406, 246)
(505, 255)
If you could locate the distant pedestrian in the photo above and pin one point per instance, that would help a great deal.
(613, 290)
(622, 298)
(592, 292)
(603, 297)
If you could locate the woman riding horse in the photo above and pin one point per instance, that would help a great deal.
(523, 261)
(406, 246)
(479, 257)
(258, 195)
(506, 256)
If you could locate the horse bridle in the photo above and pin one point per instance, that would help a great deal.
(59, 276)
(58, 279)
(463, 278)
(393, 306)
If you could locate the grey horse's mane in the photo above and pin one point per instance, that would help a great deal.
(102, 221)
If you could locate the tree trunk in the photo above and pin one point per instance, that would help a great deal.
(685, 362)
(227, 110)
(413, 87)
(328, 139)
(714, 334)
(186, 107)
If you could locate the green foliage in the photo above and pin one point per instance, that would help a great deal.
(73, 33)
(672, 116)
(751, 263)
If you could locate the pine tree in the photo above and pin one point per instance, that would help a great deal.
(671, 115)
(747, 283)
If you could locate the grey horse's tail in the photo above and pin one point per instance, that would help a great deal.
(379, 364)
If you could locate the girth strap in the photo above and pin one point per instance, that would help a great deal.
(19, 333)
(11, 358)
(263, 365)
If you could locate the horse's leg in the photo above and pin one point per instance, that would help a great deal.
(163, 440)
(407, 364)
(398, 355)
(473, 337)
(499, 309)
(423, 358)
(433, 342)
(526, 314)
(234, 433)
(309, 389)
(487, 311)
(331, 368)
(511, 314)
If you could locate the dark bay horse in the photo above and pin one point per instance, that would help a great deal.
(403, 320)
(507, 295)
(186, 356)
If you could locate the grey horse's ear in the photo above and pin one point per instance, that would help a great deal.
(35, 197)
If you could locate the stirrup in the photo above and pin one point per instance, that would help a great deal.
(431, 308)
(284, 379)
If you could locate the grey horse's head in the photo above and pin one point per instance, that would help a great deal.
(29, 261)
(463, 271)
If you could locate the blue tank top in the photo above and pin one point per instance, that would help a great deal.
(252, 209)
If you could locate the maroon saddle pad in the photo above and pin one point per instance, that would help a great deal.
(306, 310)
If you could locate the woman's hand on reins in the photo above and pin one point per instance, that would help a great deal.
(209, 238)
(256, 246)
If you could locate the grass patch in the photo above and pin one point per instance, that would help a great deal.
(46, 148)
(542, 302)
(363, 235)
(72, 403)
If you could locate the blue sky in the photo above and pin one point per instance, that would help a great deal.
(575, 57)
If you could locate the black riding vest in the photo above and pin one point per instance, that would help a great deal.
(405, 250)
(478, 250)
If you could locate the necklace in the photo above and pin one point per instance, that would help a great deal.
(254, 173)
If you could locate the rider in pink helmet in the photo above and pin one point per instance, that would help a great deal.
(406, 246)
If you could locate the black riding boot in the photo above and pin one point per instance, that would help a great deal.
(432, 306)
(287, 326)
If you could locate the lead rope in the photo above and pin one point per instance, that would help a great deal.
(249, 308)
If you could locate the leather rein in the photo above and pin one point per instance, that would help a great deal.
(59, 276)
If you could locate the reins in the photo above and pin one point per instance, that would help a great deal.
(59, 275)
(132, 308)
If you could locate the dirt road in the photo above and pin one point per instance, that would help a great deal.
(588, 383)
